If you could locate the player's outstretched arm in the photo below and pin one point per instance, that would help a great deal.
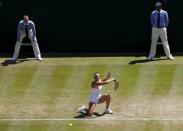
(105, 82)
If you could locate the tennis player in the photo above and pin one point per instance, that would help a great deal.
(96, 97)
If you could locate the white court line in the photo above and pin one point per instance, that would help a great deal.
(95, 119)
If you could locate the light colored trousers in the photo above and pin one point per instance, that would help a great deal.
(34, 45)
(162, 33)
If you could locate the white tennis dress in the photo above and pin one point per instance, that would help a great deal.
(95, 94)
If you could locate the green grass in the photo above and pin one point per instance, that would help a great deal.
(89, 126)
(128, 79)
(56, 87)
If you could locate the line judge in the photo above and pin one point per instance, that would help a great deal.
(26, 29)
(159, 22)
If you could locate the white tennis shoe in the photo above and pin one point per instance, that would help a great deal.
(108, 111)
(82, 109)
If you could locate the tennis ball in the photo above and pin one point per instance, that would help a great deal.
(70, 124)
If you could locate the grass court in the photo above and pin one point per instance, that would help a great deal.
(44, 96)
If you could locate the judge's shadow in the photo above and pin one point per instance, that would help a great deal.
(13, 62)
(23, 59)
(145, 61)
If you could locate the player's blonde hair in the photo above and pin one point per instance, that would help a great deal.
(96, 74)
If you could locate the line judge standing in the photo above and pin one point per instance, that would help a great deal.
(26, 29)
(159, 22)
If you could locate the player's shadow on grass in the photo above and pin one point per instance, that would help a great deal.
(144, 61)
(96, 114)
(12, 62)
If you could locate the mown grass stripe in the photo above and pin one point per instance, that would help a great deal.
(16, 126)
(57, 82)
(64, 126)
(98, 126)
(55, 87)
(146, 79)
(134, 126)
(152, 126)
(37, 126)
(2, 70)
(28, 126)
(29, 106)
(163, 83)
(39, 82)
(7, 78)
(168, 126)
(177, 82)
(128, 80)
(68, 91)
(71, 92)
(22, 80)
(4, 126)
(6, 82)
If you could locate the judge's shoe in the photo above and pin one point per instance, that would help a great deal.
(150, 58)
(39, 59)
(13, 59)
(171, 58)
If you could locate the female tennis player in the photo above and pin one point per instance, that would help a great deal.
(96, 97)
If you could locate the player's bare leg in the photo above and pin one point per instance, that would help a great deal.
(107, 99)
(91, 108)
